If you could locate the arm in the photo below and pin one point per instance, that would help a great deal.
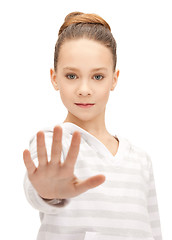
(39, 203)
(152, 205)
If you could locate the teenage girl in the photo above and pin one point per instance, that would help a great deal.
(89, 183)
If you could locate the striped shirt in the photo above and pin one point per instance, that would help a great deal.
(124, 207)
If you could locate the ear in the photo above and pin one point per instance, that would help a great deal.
(53, 76)
(115, 79)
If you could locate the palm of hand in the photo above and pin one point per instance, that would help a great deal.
(54, 179)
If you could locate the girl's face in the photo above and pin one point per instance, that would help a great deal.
(84, 75)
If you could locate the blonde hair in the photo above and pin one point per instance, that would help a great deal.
(91, 26)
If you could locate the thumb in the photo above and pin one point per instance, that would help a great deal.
(92, 182)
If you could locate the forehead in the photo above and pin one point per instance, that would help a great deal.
(84, 52)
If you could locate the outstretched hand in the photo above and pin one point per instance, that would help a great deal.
(53, 179)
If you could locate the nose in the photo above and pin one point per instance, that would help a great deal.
(84, 89)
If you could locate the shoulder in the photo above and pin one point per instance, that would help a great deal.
(137, 154)
(48, 133)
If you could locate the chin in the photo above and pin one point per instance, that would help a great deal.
(82, 117)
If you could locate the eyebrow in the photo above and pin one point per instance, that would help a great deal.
(92, 70)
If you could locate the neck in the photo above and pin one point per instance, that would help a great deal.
(96, 127)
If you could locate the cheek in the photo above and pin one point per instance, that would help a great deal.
(103, 95)
(66, 93)
(65, 89)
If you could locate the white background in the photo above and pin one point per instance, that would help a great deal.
(139, 109)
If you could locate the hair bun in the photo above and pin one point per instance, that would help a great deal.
(72, 14)
(79, 17)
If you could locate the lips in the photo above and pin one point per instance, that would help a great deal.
(84, 104)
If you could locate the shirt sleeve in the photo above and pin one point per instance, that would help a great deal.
(152, 205)
(45, 206)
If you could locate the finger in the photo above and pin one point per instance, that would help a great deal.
(41, 149)
(89, 183)
(56, 145)
(73, 150)
(30, 166)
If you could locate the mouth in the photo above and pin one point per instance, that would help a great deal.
(84, 105)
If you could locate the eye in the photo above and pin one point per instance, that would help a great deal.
(98, 77)
(71, 76)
